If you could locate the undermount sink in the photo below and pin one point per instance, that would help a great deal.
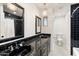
(43, 36)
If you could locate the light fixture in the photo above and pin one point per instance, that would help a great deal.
(45, 10)
(11, 7)
(45, 13)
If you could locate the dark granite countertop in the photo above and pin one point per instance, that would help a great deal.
(4, 44)
(28, 39)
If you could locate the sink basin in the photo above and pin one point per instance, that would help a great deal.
(43, 36)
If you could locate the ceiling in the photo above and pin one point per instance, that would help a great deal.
(52, 6)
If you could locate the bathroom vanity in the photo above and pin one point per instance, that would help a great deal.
(37, 45)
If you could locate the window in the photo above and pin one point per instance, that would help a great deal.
(45, 21)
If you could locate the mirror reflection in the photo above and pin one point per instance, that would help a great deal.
(13, 21)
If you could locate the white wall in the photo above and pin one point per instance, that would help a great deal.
(0, 20)
(30, 11)
(29, 18)
(2, 23)
(59, 23)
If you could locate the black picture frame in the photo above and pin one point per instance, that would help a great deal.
(37, 25)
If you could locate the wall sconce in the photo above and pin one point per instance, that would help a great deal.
(45, 10)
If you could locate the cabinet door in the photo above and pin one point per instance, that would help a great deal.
(44, 49)
(34, 48)
(38, 47)
(48, 45)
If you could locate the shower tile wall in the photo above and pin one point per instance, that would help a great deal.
(75, 25)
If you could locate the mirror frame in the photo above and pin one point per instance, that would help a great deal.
(37, 23)
(14, 38)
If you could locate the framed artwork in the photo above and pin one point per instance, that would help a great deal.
(37, 25)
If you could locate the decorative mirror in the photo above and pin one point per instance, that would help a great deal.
(37, 25)
(13, 20)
